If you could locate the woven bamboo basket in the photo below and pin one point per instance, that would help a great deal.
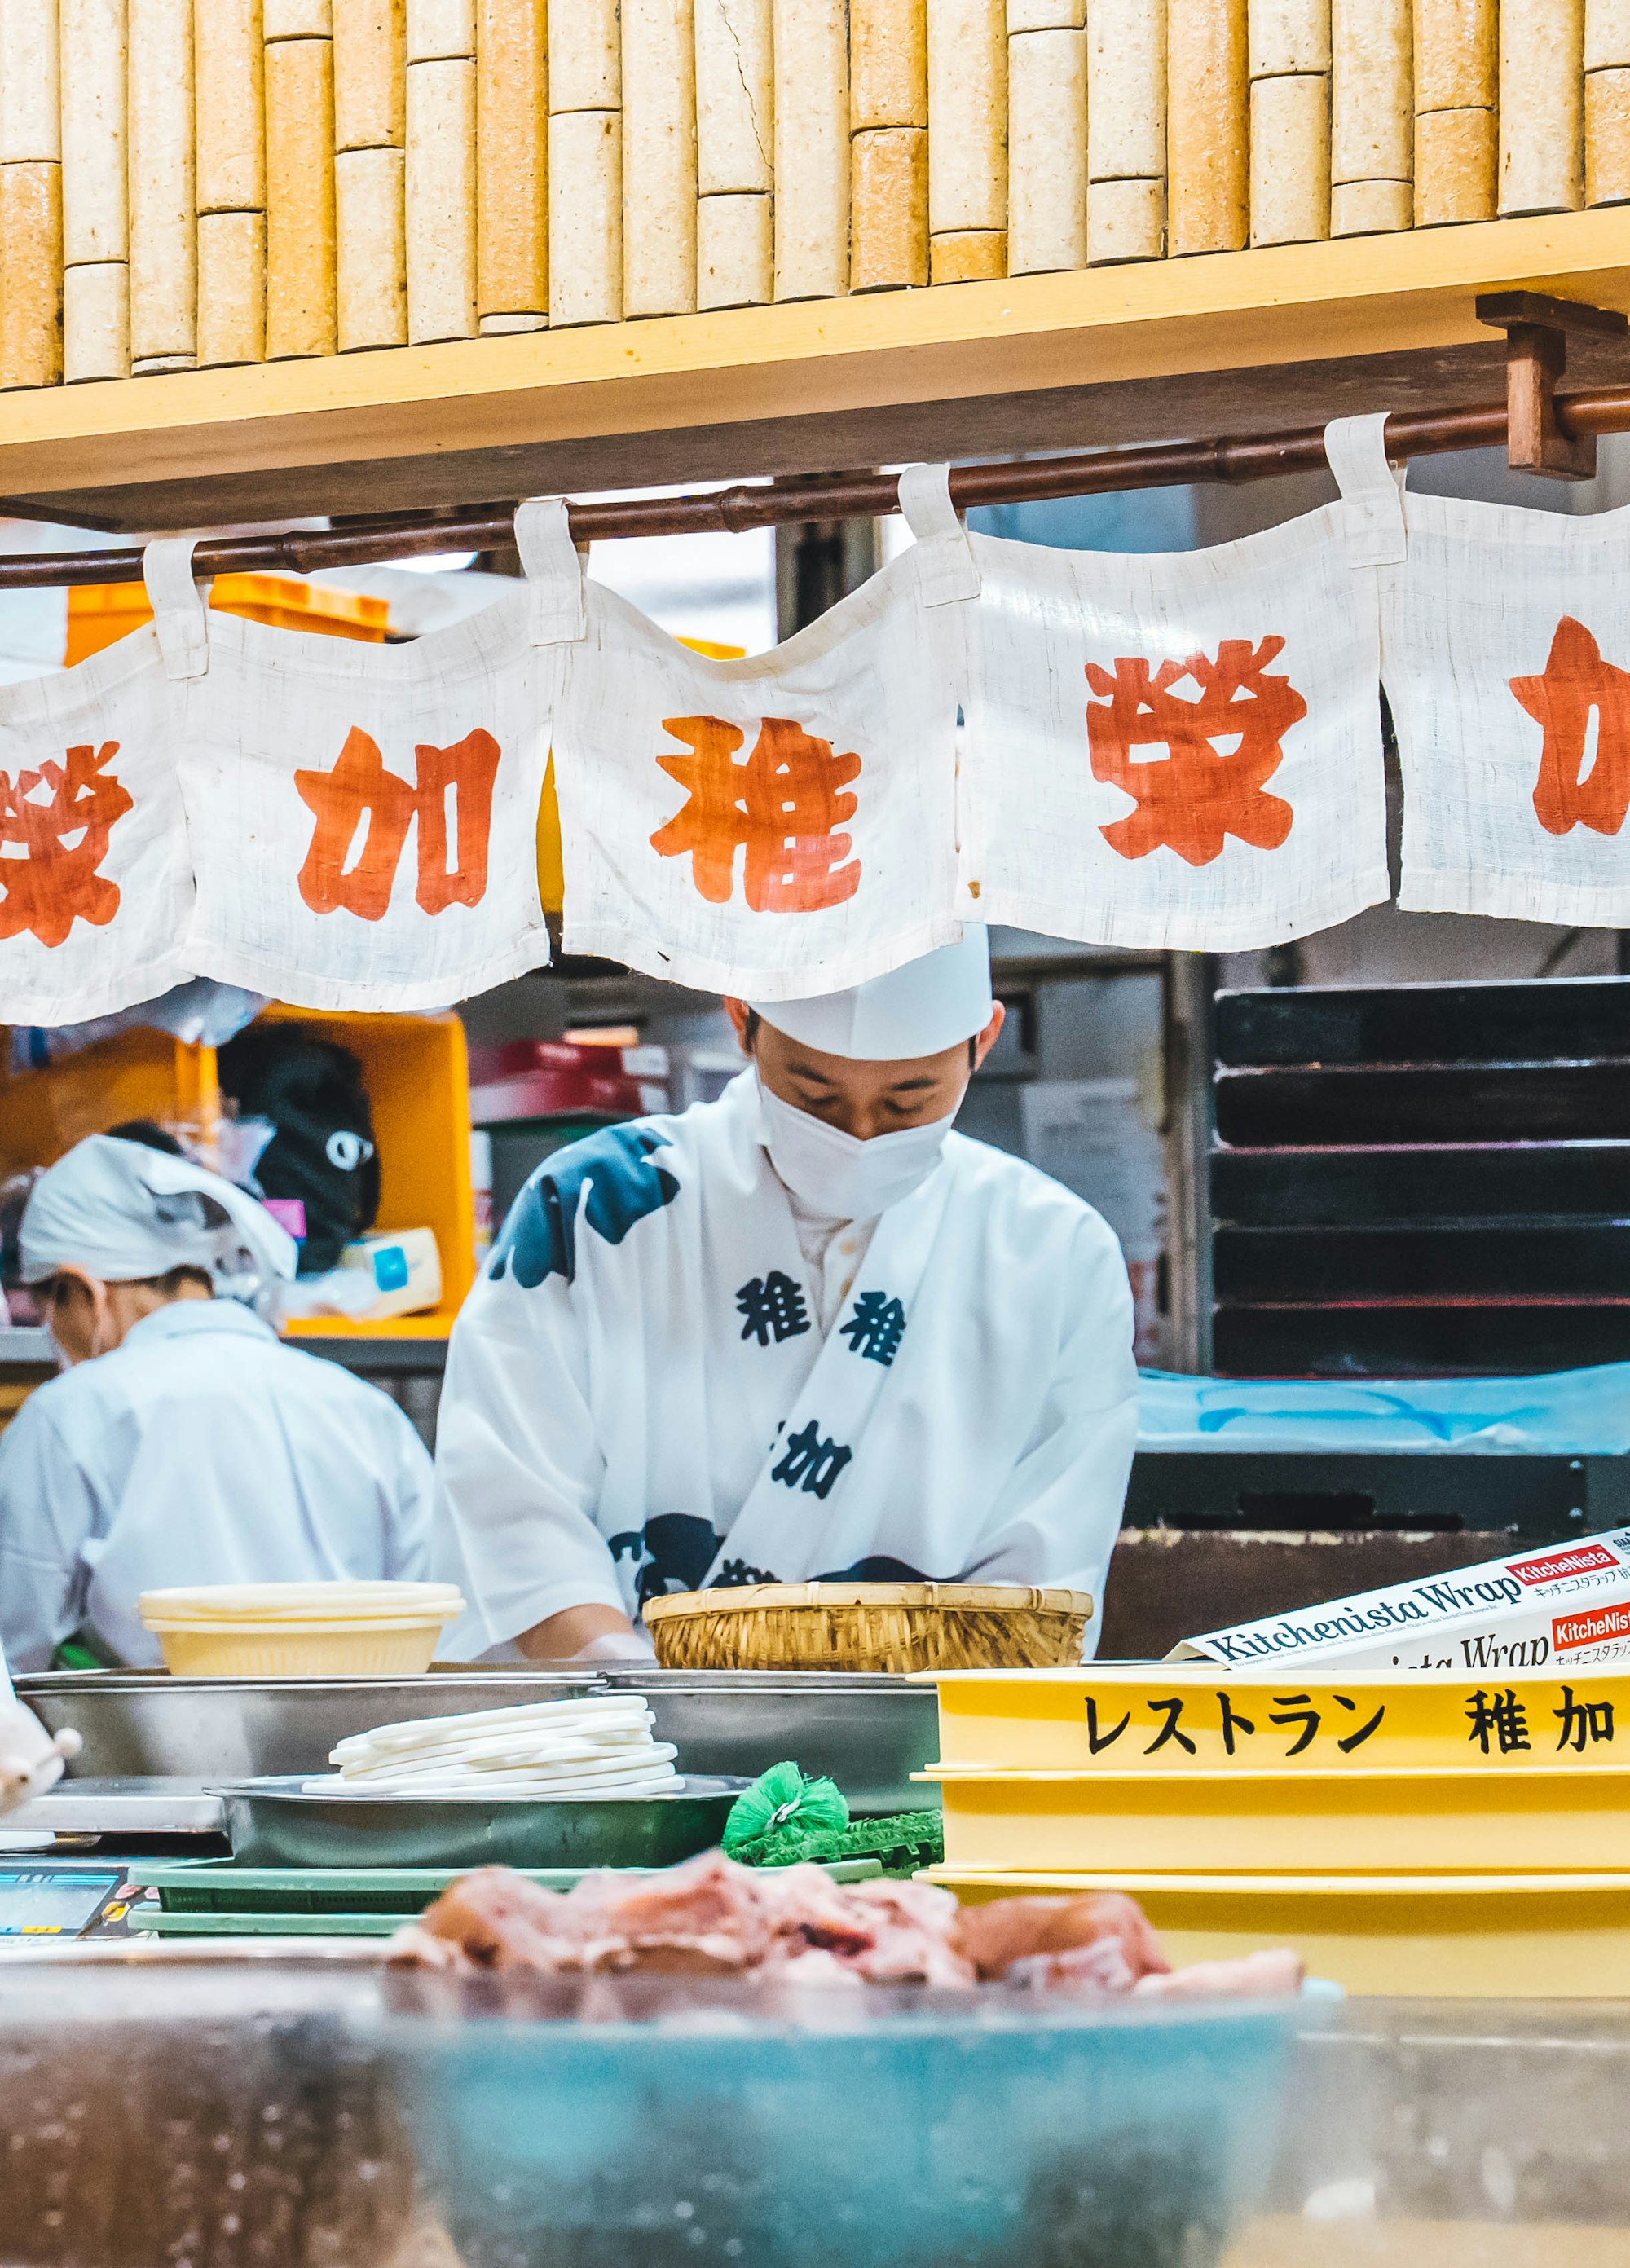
(870, 1626)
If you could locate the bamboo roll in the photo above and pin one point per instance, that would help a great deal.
(164, 236)
(1125, 220)
(658, 158)
(232, 288)
(229, 135)
(1371, 208)
(1456, 54)
(811, 149)
(967, 116)
(1290, 159)
(1541, 105)
(296, 19)
(372, 255)
(585, 217)
(94, 194)
(735, 251)
(440, 31)
(1371, 93)
(1607, 137)
(370, 49)
(735, 96)
(1607, 34)
(512, 166)
(585, 56)
(439, 201)
(1126, 92)
(968, 255)
(1046, 151)
(31, 118)
(1046, 16)
(1288, 39)
(1207, 126)
(889, 209)
(888, 64)
(1457, 158)
(299, 199)
(96, 321)
(31, 268)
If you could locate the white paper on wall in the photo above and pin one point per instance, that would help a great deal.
(95, 886)
(1182, 749)
(364, 817)
(779, 826)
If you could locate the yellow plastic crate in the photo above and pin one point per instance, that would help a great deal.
(1167, 1718)
(1501, 1935)
(101, 614)
(1556, 1818)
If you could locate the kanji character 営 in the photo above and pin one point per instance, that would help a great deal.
(782, 807)
(1580, 785)
(1173, 1708)
(875, 1328)
(1582, 1720)
(63, 837)
(1200, 794)
(809, 1462)
(772, 1303)
(1096, 1741)
(360, 795)
(1504, 1717)
(1295, 1709)
(1232, 1721)
(1357, 1740)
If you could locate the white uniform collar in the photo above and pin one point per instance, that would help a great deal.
(183, 1318)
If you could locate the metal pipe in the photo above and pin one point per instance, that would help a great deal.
(820, 495)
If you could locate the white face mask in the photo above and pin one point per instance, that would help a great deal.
(834, 1174)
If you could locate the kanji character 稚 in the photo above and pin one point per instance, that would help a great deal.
(1580, 785)
(62, 838)
(773, 1304)
(1505, 1717)
(359, 797)
(809, 1462)
(783, 807)
(1191, 802)
(1582, 1720)
(875, 1328)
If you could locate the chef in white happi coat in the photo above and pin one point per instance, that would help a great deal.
(804, 1332)
(183, 1443)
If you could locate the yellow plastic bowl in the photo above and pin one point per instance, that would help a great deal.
(308, 1649)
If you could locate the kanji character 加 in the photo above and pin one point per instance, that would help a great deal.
(809, 1462)
(1232, 1721)
(361, 796)
(1582, 1720)
(62, 838)
(875, 1328)
(1295, 1709)
(1096, 1741)
(1580, 785)
(1174, 1710)
(1504, 1717)
(782, 807)
(1357, 1740)
(772, 1303)
(1200, 794)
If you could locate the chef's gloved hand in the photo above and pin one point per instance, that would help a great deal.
(632, 1646)
(31, 1759)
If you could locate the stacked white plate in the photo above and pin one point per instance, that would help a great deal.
(598, 1747)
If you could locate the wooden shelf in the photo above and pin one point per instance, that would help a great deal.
(1233, 342)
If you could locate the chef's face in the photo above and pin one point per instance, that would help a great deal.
(862, 1098)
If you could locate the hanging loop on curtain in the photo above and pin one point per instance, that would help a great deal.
(180, 615)
(1372, 490)
(558, 604)
(949, 570)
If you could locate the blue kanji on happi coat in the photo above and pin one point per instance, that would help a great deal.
(672, 1553)
(875, 1327)
(625, 1184)
(810, 1464)
(773, 1304)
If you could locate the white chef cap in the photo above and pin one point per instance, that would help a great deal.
(919, 1010)
(120, 1212)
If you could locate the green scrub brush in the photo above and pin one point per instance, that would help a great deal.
(784, 1820)
(781, 1798)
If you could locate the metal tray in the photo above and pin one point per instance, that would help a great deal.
(274, 1822)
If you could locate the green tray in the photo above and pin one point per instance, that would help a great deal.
(219, 1886)
(274, 1925)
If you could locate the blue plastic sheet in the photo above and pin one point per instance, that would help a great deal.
(1572, 1413)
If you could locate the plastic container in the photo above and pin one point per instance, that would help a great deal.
(1485, 1936)
(299, 1630)
(101, 614)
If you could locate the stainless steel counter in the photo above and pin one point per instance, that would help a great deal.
(120, 1807)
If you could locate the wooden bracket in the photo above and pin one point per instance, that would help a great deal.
(1537, 327)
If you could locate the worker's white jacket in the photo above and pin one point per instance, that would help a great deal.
(639, 1400)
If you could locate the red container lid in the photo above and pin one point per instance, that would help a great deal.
(557, 1078)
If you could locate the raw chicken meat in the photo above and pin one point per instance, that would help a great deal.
(1008, 1930)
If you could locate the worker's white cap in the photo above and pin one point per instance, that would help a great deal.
(121, 1211)
(919, 1010)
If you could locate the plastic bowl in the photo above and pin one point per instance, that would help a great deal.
(880, 2129)
(306, 1649)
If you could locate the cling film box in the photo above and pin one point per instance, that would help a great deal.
(1561, 1609)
